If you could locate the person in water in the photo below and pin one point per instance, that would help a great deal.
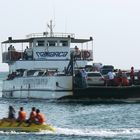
(40, 118)
(21, 115)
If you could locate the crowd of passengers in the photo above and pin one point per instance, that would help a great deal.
(14, 55)
(28, 53)
(119, 78)
(112, 78)
(35, 116)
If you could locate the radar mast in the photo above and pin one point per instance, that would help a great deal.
(51, 26)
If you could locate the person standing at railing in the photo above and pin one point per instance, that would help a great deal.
(10, 52)
(13, 48)
(111, 75)
(10, 48)
(84, 78)
(25, 53)
(138, 75)
(28, 53)
(119, 78)
(132, 75)
(77, 52)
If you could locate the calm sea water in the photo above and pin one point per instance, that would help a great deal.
(78, 120)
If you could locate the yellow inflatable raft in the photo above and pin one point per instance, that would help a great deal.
(6, 125)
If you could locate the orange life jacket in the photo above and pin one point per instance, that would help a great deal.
(40, 117)
(32, 115)
(22, 115)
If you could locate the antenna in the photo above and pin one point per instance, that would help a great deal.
(51, 26)
(65, 25)
(54, 11)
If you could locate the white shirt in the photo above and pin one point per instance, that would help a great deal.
(29, 51)
(111, 75)
(84, 74)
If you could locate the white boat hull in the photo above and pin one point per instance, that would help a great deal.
(51, 87)
(36, 94)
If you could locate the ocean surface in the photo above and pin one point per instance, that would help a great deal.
(78, 120)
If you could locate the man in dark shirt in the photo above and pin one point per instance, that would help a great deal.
(11, 113)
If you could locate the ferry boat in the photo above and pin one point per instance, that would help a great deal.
(39, 64)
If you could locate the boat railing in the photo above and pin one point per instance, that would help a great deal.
(11, 56)
(47, 34)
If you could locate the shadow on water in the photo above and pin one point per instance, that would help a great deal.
(72, 101)
(92, 102)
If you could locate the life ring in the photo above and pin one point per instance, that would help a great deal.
(86, 54)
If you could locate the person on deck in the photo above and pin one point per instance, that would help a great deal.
(25, 56)
(111, 75)
(138, 76)
(29, 53)
(119, 80)
(84, 77)
(21, 115)
(77, 52)
(132, 75)
(78, 79)
(40, 118)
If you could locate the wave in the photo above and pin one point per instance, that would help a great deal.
(98, 132)
(81, 132)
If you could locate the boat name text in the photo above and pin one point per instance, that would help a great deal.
(51, 54)
(35, 81)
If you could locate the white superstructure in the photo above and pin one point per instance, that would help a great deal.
(38, 64)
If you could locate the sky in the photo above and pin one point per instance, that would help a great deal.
(113, 24)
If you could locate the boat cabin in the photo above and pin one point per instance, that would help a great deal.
(46, 50)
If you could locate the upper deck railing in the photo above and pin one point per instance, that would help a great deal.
(47, 34)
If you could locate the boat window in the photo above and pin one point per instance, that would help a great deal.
(31, 72)
(63, 43)
(40, 73)
(94, 74)
(36, 73)
(40, 43)
(52, 43)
